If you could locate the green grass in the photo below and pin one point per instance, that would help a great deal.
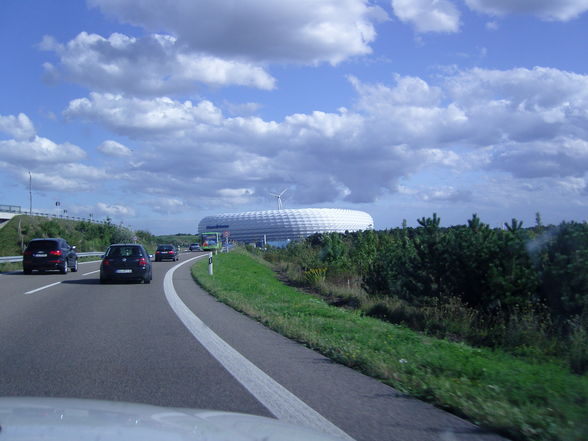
(516, 397)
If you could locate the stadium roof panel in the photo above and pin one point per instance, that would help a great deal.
(280, 225)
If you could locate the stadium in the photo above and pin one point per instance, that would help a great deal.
(284, 225)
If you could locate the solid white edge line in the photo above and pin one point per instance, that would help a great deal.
(282, 403)
(43, 287)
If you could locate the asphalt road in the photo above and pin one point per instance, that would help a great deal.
(172, 344)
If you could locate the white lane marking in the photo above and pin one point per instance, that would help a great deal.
(91, 272)
(43, 287)
(276, 398)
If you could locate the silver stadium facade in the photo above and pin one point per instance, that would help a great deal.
(290, 224)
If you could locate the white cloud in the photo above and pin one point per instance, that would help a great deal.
(113, 148)
(304, 31)
(20, 126)
(118, 210)
(428, 15)
(165, 205)
(558, 10)
(131, 115)
(528, 123)
(48, 181)
(445, 194)
(558, 157)
(492, 25)
(38, 150)
(53, 166)
(112, 64)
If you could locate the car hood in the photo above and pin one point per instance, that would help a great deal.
(66, 419)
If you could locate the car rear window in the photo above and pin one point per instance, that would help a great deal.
(42, 245)
(124, 251)
(165, 248)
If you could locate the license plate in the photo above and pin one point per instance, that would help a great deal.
(40, 255)
(124, 271)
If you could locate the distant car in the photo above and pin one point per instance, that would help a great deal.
(195, 247)
(166, 251)
(49, 254)
(126, 262)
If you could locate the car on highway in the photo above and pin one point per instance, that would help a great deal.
(195, 247)
(45, 254)
(166, 251)
(126, 262)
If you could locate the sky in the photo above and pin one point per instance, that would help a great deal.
(156, 113)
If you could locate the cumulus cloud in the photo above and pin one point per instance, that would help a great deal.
(302, 31)
(118, 210)
(53, 166)
(38, 150)
(113, 148)
(20, 127)
(529, 123)
(166, 66)
(47, 181)
(428, 15)
(445, 194)
(133, 115)
(560, 10)
(165, 205)
(559, 157)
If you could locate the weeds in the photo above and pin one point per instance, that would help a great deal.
(526, 399)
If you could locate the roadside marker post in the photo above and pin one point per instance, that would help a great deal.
(210, 264)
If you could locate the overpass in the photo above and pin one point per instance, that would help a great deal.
(7, 212)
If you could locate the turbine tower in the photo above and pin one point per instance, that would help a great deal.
(278, 196)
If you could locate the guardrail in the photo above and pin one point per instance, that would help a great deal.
(14, 211)
(12, 259)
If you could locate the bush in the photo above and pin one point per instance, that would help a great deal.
(517, 288)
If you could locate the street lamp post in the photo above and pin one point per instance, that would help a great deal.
(30, 194)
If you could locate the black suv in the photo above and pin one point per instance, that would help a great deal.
(166, 251)
(126, 261)
(49, 254)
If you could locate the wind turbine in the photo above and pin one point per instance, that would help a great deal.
(278, 196)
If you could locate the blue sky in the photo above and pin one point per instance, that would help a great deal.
(158, 113)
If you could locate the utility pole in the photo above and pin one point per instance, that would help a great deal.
(30, 194)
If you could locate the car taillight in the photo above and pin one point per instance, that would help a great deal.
(142, 261)
(157, 252)
(27, 253)
(55, 253)
(172, 252)
(105, 262)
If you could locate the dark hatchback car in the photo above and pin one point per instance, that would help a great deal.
(126, 262)
(195, 247)
(166, 251)
(49, 254)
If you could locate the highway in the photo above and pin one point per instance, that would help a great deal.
(170, 343)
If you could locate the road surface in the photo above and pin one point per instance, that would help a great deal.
(169, 343)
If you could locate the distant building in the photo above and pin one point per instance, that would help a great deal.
(282, 225)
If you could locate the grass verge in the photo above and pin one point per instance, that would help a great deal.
(516, 397)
